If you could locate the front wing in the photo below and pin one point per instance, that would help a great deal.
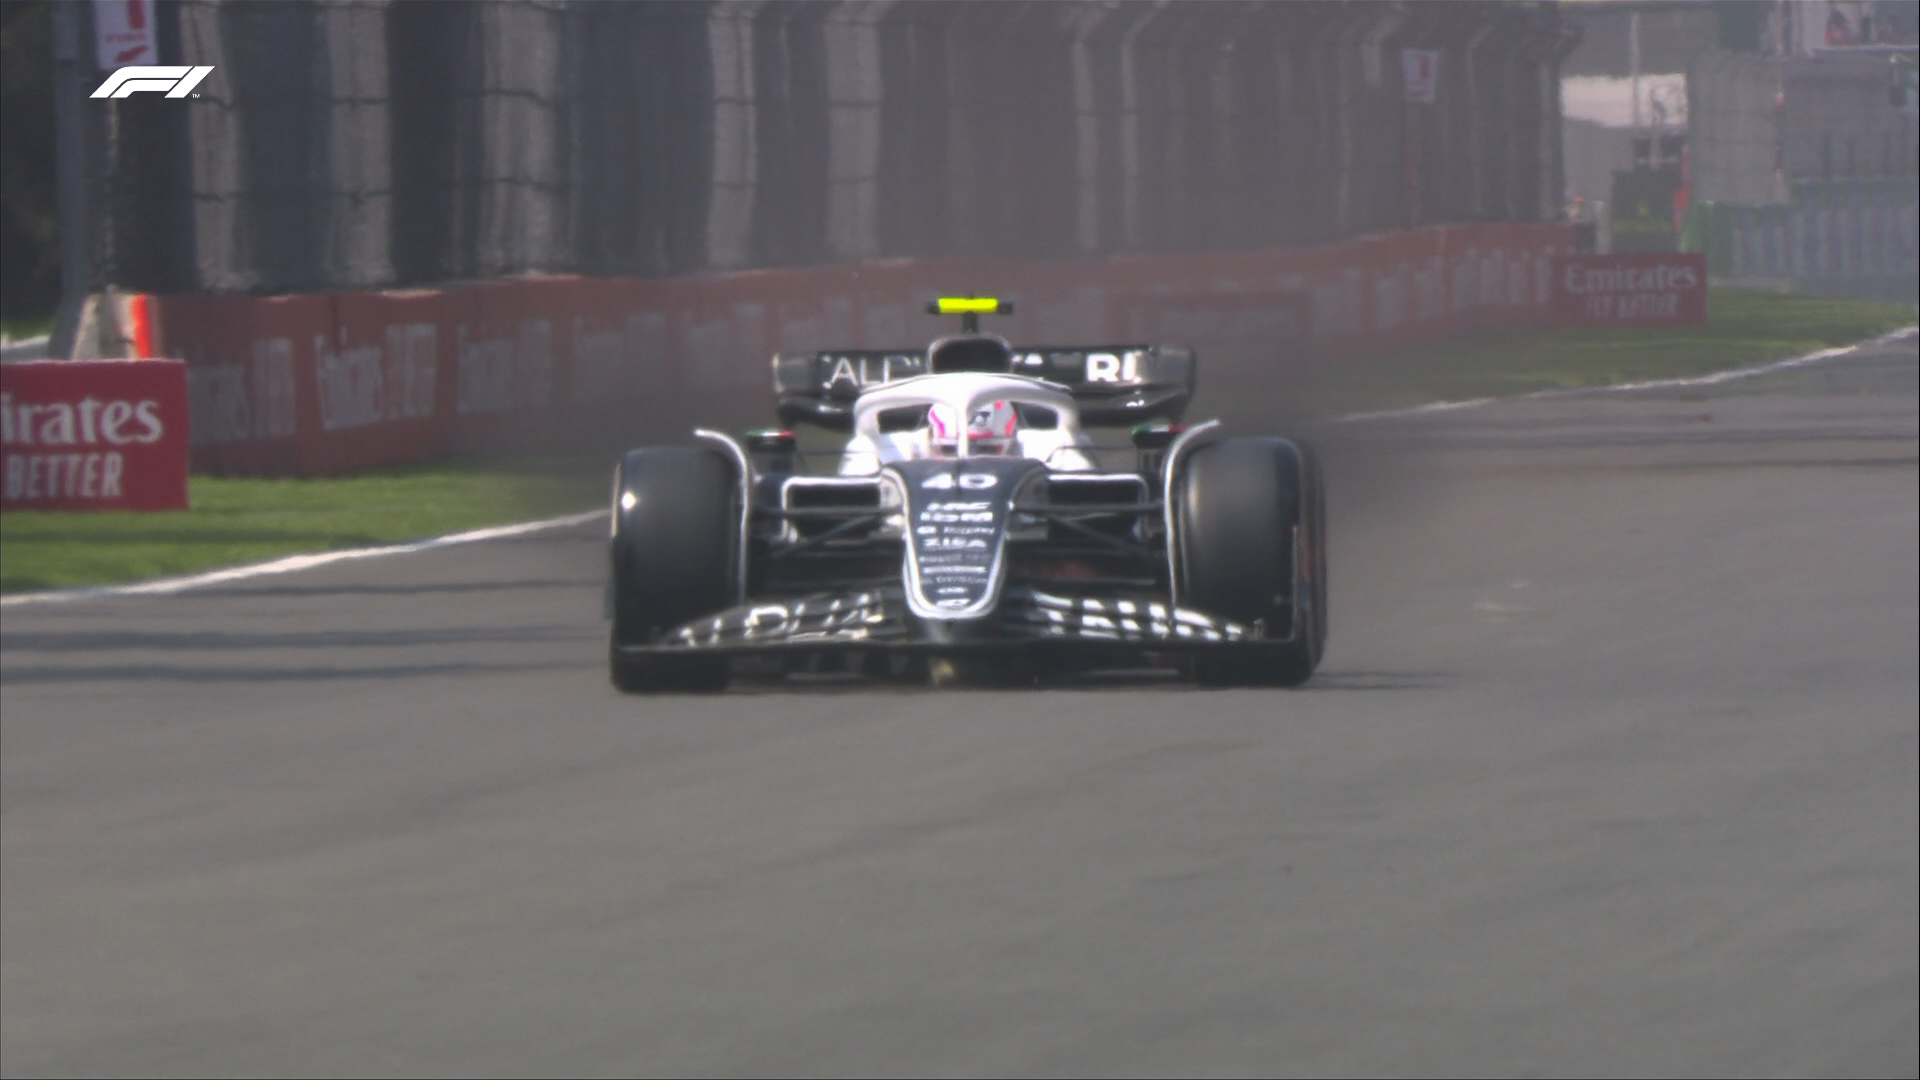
(879, 618)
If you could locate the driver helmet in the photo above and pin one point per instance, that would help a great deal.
(991, 429)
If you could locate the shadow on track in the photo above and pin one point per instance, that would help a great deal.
(1109, 682)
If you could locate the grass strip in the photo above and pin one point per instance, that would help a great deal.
(236, 521)
(1744, 327)
(241, 520)
(20, 329)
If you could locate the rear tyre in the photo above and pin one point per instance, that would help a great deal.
(1241, 505)
(675, 557)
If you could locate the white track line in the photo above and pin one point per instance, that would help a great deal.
(1714, 379)
(293, 563)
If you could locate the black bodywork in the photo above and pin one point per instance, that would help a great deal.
(1001, 560)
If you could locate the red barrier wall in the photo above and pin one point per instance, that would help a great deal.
(381, 378)
(509, 343)
(249, 376)
(93, 435)
(384, 381)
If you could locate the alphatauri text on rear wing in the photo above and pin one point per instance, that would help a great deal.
(1113, 385)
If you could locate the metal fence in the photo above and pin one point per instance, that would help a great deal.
(1805, 173)
(366, 143)
(1760, 125)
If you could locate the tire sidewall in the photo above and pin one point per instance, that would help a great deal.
(675, 549)
(1237, 501)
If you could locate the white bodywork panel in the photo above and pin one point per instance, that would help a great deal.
(870, 448)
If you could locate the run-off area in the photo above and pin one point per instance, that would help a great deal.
(1610, 768)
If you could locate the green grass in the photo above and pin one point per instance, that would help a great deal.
(1743, 327)
(236, 521)
(20, 329)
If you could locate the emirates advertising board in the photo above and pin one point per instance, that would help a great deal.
(93, 435)
(1650, 288)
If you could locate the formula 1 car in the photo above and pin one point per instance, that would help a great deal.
(970, 527)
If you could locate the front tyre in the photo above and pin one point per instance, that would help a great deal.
(1251, 548)
(675, 557)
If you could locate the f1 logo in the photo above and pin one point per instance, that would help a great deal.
(177, 82)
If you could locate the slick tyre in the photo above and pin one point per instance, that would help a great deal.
(675, 557)
(1242, 504)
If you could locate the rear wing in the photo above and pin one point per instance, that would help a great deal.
(1113, 385)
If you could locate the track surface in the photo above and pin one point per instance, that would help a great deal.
(1611, 769)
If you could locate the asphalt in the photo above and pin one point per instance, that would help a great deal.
(1611, 769)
